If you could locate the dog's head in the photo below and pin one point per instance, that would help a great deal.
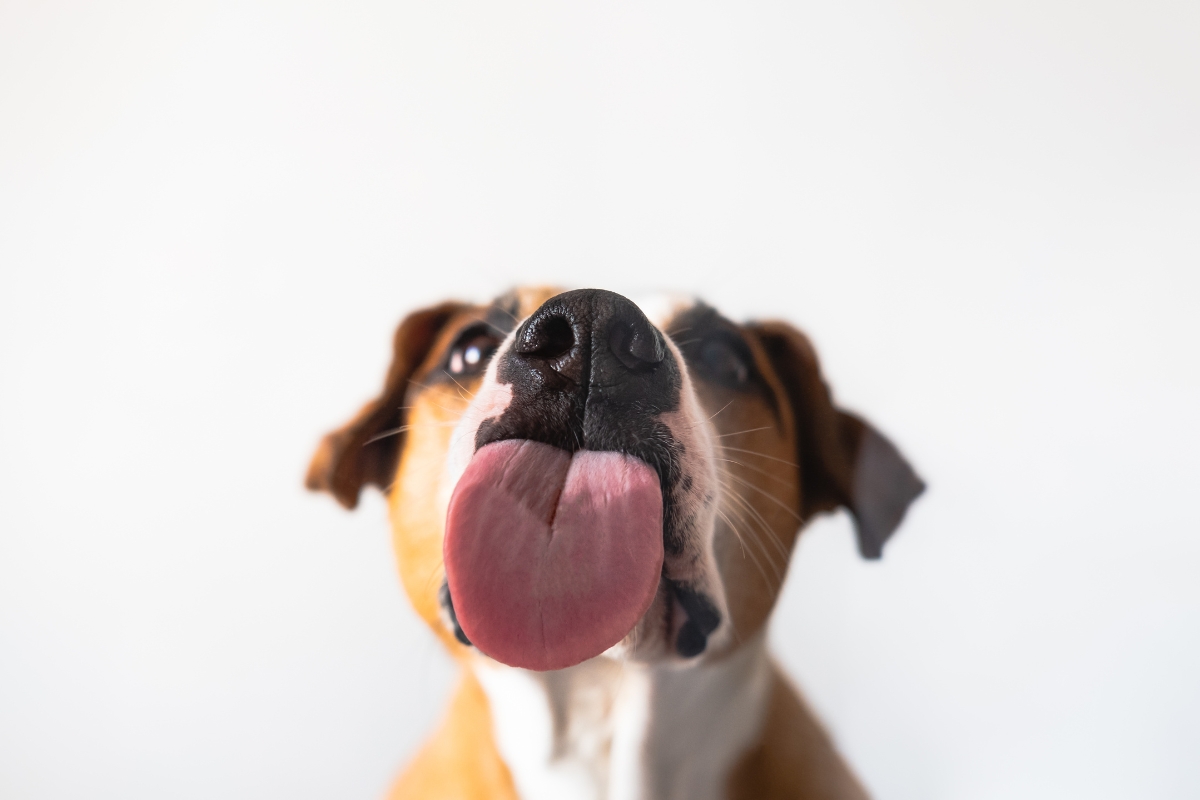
(571, 474)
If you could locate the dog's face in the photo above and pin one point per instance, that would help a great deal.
(571, 474)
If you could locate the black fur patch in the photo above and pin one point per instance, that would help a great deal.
(448, 604)
(703, 619)
(716, 352)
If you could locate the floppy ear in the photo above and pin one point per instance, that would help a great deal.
(843, 460)
(359, 452)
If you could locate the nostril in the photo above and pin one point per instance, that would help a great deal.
(636, 346)
(547, 337)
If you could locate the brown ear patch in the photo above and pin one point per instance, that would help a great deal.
(843, 460)
(366, 449)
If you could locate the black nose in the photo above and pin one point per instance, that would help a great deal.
(588, 371)
(588, 334)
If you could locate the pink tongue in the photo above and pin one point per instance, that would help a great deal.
(552, 558)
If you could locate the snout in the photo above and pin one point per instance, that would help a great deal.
(588, 371)
(584, 509)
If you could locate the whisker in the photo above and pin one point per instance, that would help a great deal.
(427, 386)
(762, 472)
(386, 434)
(418, 384)
(462, 390)
(776, 565)
(757, 521)
(761, 521)
(710, 419)
(504, 310)
(753, 558)
(435, 405)
(761, 455)
(766, 494)
(763, 525)
(403, 428)
(440, 569)
(748, 430)
(497, 328)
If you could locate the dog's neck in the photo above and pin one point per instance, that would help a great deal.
(612, 730)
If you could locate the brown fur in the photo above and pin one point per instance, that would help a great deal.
(794, 758)
(460, 761)
(826, 438)
(348, 459)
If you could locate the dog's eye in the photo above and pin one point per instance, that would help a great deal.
(471, 352)
(723, 363)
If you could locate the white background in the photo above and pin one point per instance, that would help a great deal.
(212, 216)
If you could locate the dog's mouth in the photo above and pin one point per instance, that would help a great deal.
(552, 557)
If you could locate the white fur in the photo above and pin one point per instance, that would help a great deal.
(545, 763)
(640, 735)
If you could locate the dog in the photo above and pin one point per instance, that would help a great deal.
(593, 503)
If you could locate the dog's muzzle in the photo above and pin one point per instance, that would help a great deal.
(553, 549)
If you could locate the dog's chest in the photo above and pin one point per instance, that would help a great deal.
(604, 731)
(555, 730)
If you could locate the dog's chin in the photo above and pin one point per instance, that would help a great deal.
(655, 638)
(651, 640)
